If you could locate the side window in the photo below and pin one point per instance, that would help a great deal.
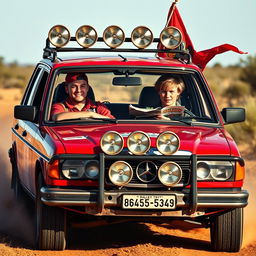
(37, 92)
(30, 86)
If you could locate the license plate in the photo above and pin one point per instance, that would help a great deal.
(149, 202)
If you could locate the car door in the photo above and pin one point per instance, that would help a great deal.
(27, 153)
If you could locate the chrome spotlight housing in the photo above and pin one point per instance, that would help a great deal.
(138, 143)
(113, 36)
(59, 35)
(170, 37)
(142, 37)
(167, 143)
(169, 174)
(86, 36)
(112, 143)
(120, 173)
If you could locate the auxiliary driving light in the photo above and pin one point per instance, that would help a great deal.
(86, 36)
(113, 36)
(170, 37)
(138, 143)
(169, 174)
(142, 37)
(167, 143)
(59, 35)
(120, 173)
(112, 143)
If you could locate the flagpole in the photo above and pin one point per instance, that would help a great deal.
(173, 7)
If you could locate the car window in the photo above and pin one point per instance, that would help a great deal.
(118, 98)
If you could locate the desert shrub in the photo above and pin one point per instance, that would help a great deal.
(245, 132)
(248, 74)
(238, 91)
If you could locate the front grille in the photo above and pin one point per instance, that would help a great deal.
(138, 183)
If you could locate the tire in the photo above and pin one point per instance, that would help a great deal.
(18, 190)
(50, 225)
(227, 231)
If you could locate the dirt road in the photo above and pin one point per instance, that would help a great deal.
(133, 239)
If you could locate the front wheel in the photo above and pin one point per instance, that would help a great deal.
(227, 231)
(50, 224)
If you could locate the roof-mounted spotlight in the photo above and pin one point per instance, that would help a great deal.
(170, 37)
(86, 36)
(142, 37)
(113, 36)
(59, 35)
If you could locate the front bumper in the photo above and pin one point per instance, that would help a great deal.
(113, 199)
(109, 202)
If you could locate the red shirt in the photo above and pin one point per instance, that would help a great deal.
(69, 106)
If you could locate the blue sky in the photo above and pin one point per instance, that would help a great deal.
(24, 25)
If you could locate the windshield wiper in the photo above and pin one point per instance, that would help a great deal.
(191, 119)
(107, 120)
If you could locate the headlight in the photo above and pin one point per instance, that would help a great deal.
(120, 173)
(203, 171)
(167, 143)
(59, 35)
(112, 143)
(73, 169)
(170, 174)
(92, 169)
(215, 170)
(138, 143)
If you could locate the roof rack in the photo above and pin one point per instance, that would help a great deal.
(50, 52)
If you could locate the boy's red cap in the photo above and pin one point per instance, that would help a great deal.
(71, 77)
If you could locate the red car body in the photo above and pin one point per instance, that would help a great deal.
(40, 147)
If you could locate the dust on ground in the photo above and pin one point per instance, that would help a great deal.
(133, 239)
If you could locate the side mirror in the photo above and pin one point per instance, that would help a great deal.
(28, 113)
(127, 81)
(233, 115)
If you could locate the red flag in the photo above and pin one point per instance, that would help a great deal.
(199, 58)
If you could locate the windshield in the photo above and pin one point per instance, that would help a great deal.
(129, 94)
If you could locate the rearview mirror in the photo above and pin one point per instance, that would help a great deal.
(127, 81)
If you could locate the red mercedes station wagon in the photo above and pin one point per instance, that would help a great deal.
(109, 138)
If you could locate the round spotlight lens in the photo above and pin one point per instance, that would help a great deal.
(203, 171)
(120, 173)
(112, 143)
(169, 174)
(142, 37)
(170, 37)
(59, 35)
(92, 169)
(86, 36)
(113, 36)
(138, 143)
(167, 143)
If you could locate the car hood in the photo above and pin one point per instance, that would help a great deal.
(85, 139)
